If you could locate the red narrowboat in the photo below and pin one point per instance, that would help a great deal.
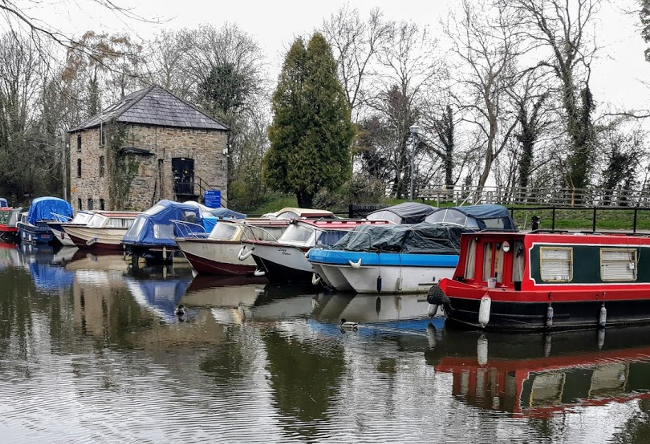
(543, 280)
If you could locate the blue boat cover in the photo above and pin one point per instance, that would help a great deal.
(160, 224)
(49, 208)
(481, 217)
(403, 213)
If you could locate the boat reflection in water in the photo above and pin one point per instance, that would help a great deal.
(538, 375)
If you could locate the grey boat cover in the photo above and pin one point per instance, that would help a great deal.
(476, 217)
(423, 238)
(406, 212)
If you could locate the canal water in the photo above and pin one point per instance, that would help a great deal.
(92, 350)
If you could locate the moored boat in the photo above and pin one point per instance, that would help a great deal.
(547, 281)
(104, 230)
(217, 254)
(152, 235)
(79, 219)
(284, 260)
(404, 258)
(8, 224)
(34, 228)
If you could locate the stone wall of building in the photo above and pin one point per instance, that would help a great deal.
(149, 176)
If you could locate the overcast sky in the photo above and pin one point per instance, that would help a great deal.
(617, 75)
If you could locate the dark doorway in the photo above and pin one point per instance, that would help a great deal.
(183, 171)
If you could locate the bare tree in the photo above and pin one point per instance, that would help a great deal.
(485, 42)
(408, 72)
(355, 44)
(561, 28)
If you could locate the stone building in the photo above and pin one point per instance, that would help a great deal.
(150, 146)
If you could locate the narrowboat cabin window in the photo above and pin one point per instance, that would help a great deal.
(487, 261)
(618, 264)
(556, 264)
(518, 262)
(470, 263)
(498, 262)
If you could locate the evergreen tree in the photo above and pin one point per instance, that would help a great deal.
(312, 130)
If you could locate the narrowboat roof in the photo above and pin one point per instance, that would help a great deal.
(408, 212)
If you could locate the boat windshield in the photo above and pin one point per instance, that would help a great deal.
(82, 218)
(452, 216)
(385, 215)
(298, 234)
(223, 231)
(119, 222)
(155, 209)
(96, 221)
(287, 215)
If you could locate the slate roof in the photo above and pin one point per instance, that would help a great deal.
(154, 106)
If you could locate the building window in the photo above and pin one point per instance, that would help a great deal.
(79, 204)
(90, 203)
(78, 167)
(101, 204)
(556, 264)
(78, 142)
(618, 264)
(102, 136)
(101, 166)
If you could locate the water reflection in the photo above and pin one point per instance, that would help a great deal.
(106, 356)
(540, 375)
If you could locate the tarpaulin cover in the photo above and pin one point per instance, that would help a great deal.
(406, 212)
(418, 238)
(479, 217)
(155, 227)
(49, 208)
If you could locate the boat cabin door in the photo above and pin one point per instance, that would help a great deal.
(502, 262)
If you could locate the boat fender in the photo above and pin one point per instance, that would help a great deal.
(436, 296)
(356, 264)
(431, 335)
(259, 272)
(433, 309)
(379, 284)
(484, 311)
(549, 316)
(482, 348)
(601, 338)
(243, 254)
(602, 317)
(89, 242)
(315, 279)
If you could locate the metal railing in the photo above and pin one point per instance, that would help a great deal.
(554, 196)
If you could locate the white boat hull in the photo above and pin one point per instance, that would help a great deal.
(209, 256)
(388, 279)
